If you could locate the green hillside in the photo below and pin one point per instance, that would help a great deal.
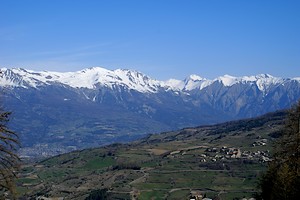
(221, 160)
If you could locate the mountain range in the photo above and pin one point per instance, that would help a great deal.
(55, 112)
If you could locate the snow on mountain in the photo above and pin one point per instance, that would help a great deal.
(87, 78)
(296, 79)
(91, 78)
(227, 80)
(137, 81)
(195, 82)
(190, 83)
(263, 81)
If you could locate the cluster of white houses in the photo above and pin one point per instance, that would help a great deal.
(226, 153)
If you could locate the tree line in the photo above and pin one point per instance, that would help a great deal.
(282, 178)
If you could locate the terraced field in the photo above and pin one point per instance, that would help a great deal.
(222, 160)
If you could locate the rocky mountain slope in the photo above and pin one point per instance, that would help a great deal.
(56, 112)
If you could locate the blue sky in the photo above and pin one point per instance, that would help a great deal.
(161, 38)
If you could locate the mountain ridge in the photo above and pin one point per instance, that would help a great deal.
(91, 77)
(96, 106)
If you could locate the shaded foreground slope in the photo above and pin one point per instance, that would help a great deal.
(220, 160)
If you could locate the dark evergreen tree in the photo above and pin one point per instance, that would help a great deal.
(282, 179)
(9, 160)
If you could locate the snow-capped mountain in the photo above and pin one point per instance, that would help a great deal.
(88, 78)
(96, 77)
(97, 106)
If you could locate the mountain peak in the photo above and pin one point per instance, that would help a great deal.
(228, 80)
(260, 76)
(263, 81)
(194, 77)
